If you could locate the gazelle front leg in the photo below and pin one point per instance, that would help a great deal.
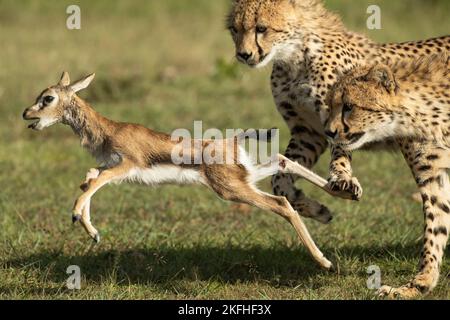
(93, 173)
(81, 210)
(85, 217)
(86, 222)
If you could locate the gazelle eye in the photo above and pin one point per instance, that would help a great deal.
(261, 29)
(48, 99)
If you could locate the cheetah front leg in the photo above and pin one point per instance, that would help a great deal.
(305, 147)
(428, 165)
(341, 174)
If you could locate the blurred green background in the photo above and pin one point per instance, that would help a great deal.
(164, 64)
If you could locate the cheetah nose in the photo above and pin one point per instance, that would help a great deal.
(331, 134)
(244, 55)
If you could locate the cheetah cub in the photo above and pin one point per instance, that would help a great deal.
(134, 153)
(411, 100)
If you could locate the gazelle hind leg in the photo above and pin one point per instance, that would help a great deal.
(281, 206)
(305, 147)
(288, 166)
(284, 165)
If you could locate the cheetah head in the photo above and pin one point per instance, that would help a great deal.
(266, 30)
(361, 107)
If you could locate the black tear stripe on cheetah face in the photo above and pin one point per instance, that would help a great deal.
(310, 48)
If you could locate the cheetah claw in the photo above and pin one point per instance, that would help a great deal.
(405, 292)
(350, 185)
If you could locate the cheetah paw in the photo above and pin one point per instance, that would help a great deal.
(405, 292)
(347, 184)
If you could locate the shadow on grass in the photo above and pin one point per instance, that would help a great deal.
(279, 266)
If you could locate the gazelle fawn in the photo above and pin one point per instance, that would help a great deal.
(131, 152)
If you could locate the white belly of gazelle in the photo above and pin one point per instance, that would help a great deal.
(161, 174)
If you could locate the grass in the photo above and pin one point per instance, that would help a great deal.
(165, 64)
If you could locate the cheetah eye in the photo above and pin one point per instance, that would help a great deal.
(347, 108)
(261, 29)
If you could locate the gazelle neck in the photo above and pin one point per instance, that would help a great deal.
(92, 128)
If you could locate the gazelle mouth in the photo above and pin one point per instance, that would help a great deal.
(41, 124)
(34, 124)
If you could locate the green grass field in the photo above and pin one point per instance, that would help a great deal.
(165, 64)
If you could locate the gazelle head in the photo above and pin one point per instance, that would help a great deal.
(51, 104)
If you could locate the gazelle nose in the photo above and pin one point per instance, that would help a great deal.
(331, 134)
(244, 55)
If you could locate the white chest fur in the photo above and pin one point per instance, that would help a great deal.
(162, 174)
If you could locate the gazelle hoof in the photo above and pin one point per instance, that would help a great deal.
(327, 265)
(76, 218)
(332, 269)
(96, 238)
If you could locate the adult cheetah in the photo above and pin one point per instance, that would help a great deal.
(309, 47)
(372, 103)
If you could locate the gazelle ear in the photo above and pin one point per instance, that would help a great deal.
(82, 83)
(384, 76)
(65, 79)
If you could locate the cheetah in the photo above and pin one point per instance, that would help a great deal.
(309, 47)
(410, 102)
(373, 103)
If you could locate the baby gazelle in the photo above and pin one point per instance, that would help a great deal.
(134, 153)
(376, 102)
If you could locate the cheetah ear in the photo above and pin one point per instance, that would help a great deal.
(384, 76)
(304, 3)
